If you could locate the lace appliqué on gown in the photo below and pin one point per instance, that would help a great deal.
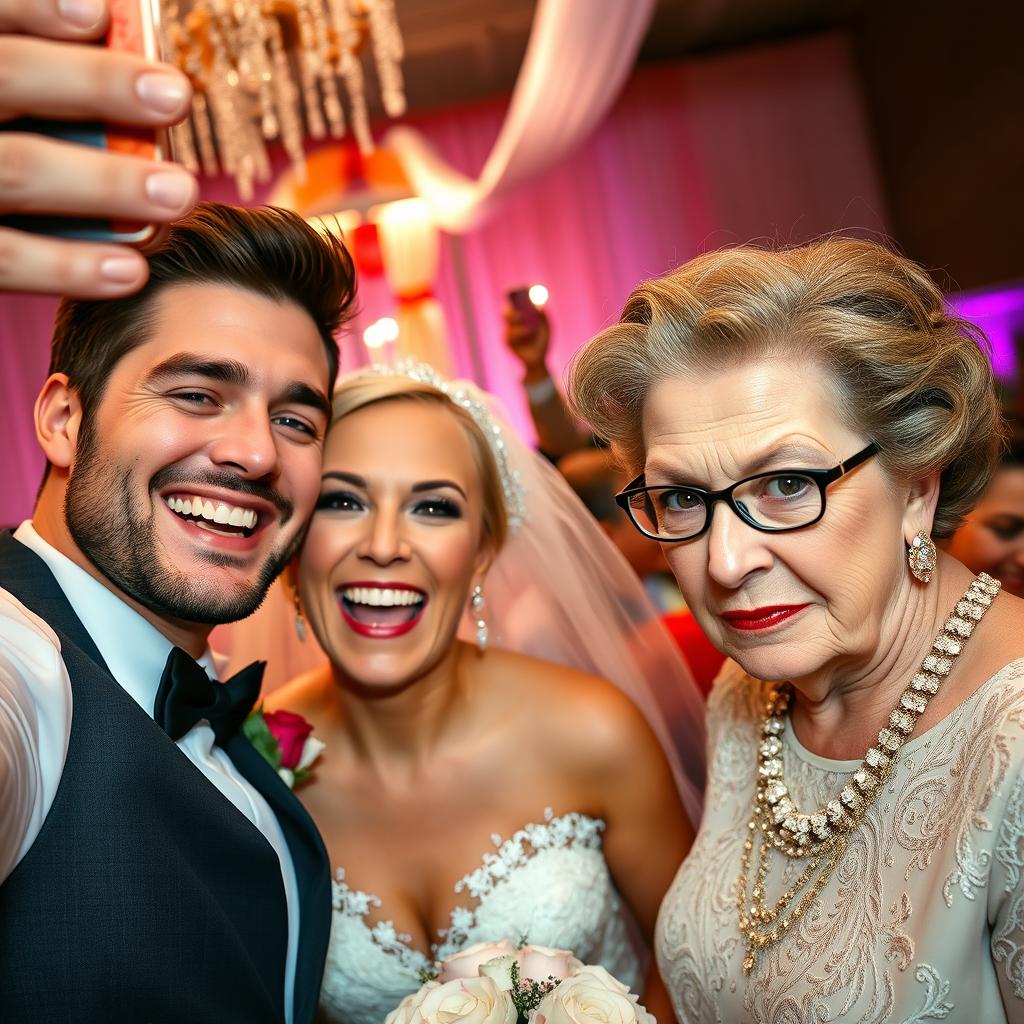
(548, 883)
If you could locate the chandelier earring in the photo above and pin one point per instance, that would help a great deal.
(300, 621)
(922, 557)
(477, 604)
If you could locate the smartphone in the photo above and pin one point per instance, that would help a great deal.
(521, 303)
(134, 28)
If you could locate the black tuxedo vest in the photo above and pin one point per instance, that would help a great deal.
(147, 898)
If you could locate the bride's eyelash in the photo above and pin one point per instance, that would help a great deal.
(441, 508)
(339, 501)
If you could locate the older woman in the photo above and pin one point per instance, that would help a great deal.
(805, 425)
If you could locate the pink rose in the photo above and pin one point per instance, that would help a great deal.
(291, 732)
(466, 964)
(538, 963)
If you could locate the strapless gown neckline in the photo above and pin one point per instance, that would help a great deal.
(548, 884)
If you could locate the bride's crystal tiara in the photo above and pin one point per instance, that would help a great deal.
(467, 396)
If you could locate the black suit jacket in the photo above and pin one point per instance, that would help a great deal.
(147, 897)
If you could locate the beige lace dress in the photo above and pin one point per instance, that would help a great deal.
(922, 920)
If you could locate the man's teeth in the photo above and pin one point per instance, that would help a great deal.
(219, 513)
(382, 597)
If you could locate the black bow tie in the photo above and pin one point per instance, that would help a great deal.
(187, 694)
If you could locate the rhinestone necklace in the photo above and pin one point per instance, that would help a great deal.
(821, 836)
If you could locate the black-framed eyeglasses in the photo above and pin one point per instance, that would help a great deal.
(774, 502)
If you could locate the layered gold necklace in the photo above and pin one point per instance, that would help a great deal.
(820, 837)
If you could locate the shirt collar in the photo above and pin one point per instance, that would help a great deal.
(133, 648)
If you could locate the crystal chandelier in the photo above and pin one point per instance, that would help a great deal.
(276, 69)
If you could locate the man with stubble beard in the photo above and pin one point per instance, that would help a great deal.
(153, 866)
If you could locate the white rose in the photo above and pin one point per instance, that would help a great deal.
(538, 963)
(499, 970)
(586, 999)
(311, 750)
(287, 777)
(466, 963)
(405, 1012)
(600, 975)
(466, 1001)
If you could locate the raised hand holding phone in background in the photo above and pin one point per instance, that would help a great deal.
(527, 334)
(50, 75)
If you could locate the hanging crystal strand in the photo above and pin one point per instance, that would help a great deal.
(183, 146)
(388, 52)
(182, 143)
(204, 134)
(287, 100)
(202, 118)
(239, 25)
(328, 75)
(220, 85)
(194, 31)
(257, 164)
(310, 70)
(253, 57)
(346, 29)
(253, 97)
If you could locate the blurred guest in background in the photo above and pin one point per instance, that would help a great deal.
(591, 473)
(991, 538)
(804, 423)
(558, 432)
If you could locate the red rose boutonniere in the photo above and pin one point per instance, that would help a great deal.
(286, 741)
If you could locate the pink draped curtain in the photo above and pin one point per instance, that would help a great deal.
(766, 144)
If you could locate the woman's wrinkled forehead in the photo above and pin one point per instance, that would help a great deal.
(713, 427)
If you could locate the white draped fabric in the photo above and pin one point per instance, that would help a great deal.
(576, 63)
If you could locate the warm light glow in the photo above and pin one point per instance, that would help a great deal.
(538, 294)
(388, 328)
(402, 212)
(340, 224)
(380, 332)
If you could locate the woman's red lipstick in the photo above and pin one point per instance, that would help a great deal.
(762, 618)
(381, 629)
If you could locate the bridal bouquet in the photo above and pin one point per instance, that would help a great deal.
(499, 983)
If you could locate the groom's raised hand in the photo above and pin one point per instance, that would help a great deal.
(45, 72)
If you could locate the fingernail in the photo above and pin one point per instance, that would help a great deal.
(81, 13)
(120, 269)
(170, 189)
(161, 91)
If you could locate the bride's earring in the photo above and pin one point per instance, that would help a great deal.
(922, 557)
(477, 604)
(300, 622)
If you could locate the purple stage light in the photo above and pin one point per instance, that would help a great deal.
(999, 312)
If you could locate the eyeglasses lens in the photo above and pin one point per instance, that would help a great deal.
(784, 501)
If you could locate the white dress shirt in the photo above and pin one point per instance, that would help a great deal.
(36, 710)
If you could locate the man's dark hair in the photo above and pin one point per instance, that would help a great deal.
(270, 251)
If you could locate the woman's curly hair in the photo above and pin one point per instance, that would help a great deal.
(908, 373)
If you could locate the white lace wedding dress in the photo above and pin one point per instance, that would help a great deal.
(548, 883)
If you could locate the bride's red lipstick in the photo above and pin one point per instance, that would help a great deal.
(380, 630)
(762, 618)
